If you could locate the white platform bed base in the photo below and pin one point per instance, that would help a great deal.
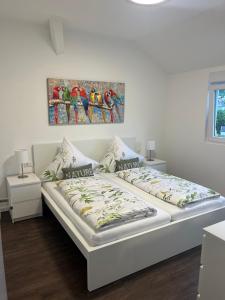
(112, 261)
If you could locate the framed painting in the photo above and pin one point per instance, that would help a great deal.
(73, 102)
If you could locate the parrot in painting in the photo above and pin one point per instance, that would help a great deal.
(99, 99)
(116, 101)
(100, 104)
(56, 90)
(109, 103)
(67, 99)
(96, 99)
(108, 99)
(66, 94)
(92, 96)
(84, 100)
(92, 102)
(75, 92)
(74, 97)
(61, 93)
(80, 93)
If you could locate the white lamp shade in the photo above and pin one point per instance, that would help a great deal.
(150, 145)
(22, 156)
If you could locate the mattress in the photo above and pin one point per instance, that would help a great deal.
(175, 212)
(100, 238)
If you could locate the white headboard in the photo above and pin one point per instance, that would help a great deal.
(43, 154)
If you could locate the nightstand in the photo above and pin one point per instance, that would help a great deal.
(212, 268)
(157, 164)
(24, 197)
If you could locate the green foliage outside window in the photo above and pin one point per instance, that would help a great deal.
(220, 120)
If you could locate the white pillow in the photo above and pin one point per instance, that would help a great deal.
(118, 150)
(68, 155)
(78, 157)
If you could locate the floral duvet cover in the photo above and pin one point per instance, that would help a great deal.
(102, 204)
(169, 188)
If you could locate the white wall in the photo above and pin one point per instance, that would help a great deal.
(188, 154)
(27, 59)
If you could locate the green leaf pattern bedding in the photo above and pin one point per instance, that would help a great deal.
(169, 188)
(102, 204)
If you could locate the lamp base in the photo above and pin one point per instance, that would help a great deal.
(22, 176)
(149, 156)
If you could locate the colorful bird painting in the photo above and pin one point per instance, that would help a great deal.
(83, 102)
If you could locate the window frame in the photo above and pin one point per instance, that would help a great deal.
(211, 113)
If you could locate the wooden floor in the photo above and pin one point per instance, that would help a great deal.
(41, 262)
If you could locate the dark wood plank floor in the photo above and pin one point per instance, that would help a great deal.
(41, 262)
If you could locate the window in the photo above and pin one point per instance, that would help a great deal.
(216, 108)
(219, 123)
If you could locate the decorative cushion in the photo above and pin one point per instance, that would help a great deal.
(125, 164)
(68, 155)
(108, 163)
(83, 171)
(118, 150)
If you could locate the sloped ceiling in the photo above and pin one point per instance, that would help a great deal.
(180, 35)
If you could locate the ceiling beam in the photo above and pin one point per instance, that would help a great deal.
(56, 33)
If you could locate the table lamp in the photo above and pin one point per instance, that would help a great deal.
(150, 147)
(22, 158)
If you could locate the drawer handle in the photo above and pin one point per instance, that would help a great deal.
(11, 207)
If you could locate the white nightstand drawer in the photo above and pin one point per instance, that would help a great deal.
(26, 209)
(24, 193)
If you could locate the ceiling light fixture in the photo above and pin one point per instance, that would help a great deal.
(148, 2)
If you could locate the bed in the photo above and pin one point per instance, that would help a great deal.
(114, 258)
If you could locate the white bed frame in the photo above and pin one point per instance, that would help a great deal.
(112, 261)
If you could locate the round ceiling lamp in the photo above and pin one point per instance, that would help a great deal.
(148, 2)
